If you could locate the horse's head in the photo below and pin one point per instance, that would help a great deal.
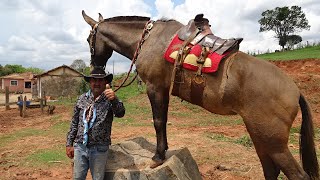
(100, 51)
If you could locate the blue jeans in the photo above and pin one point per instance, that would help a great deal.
(93, 158)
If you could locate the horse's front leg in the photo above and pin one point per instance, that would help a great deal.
(159, 99)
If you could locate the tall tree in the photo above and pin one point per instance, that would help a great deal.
(79, 65)
(284, 21)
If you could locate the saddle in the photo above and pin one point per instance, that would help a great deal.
(205, 37)
(196, 40)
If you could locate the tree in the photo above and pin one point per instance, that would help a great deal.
(284, 21)
(14, 68)
(34, 70)
(293, 40)
(79, 65)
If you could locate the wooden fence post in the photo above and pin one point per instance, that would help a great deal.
(45, 99)
(41, 104)
(24, 106)
(7, 98)
(19, 105)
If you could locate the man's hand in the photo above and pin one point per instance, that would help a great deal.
(110, 94)
(70, 151)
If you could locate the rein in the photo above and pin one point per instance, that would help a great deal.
(145, 35)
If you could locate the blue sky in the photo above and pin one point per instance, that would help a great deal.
(47, 34)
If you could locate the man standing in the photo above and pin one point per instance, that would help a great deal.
(89, 138)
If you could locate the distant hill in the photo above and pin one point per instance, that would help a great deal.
(311, 52)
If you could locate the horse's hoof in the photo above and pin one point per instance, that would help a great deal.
(156, 164)
(157, 157)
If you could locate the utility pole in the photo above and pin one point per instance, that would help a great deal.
(112, 66)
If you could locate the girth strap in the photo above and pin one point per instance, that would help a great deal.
(180, 57)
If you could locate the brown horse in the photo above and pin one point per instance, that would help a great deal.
(266, 99)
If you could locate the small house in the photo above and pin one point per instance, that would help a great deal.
(60, 81)
(18, 82)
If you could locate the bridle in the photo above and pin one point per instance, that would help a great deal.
(145, 34)
(92, 43)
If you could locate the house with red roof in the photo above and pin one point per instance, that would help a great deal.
(18, 82)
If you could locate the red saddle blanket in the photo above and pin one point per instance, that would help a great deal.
(210, 65)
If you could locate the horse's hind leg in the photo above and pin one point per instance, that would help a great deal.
(284, 159)
(159, 99)
(271, 143)
(271, 171)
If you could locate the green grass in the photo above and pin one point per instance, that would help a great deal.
(11, 137)
(46, 157)
(125, 93)
(244, 140)
(59, 128)
(304, 53)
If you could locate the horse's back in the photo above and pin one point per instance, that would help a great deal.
(260, 84)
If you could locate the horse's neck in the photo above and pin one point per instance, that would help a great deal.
(125, 37)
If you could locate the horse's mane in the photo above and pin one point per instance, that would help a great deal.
(165, 19)
(134, 18)
(127, 18)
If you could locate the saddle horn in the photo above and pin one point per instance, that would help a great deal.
(201, 22)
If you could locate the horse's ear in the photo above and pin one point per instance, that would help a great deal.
(100, 17)
(88, 19)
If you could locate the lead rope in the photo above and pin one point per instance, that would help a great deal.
(145, 35)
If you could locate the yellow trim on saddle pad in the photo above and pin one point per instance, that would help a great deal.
(192, 59)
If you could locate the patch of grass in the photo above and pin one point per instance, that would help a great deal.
(8, 138)
(65, 101)
(317, 134)
(46, 157)
(125, 93)
(282, 176)
(294, 135)
(244, 141)
(56, 117)
(136, 109)
(304, 53)
(219, 137)
(124, 120)
(219, 120)
(60, 127)
(192, 107)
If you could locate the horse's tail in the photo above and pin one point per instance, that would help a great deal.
(307, 147)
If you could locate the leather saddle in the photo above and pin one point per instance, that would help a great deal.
(205, 37)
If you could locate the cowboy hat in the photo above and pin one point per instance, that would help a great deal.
(98, 73)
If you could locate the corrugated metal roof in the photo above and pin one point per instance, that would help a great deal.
(63, 66)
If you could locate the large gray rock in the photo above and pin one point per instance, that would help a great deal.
(130, 160)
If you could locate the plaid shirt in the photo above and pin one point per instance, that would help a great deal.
(100, 132)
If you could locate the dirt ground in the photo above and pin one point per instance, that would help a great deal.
(216, 160)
